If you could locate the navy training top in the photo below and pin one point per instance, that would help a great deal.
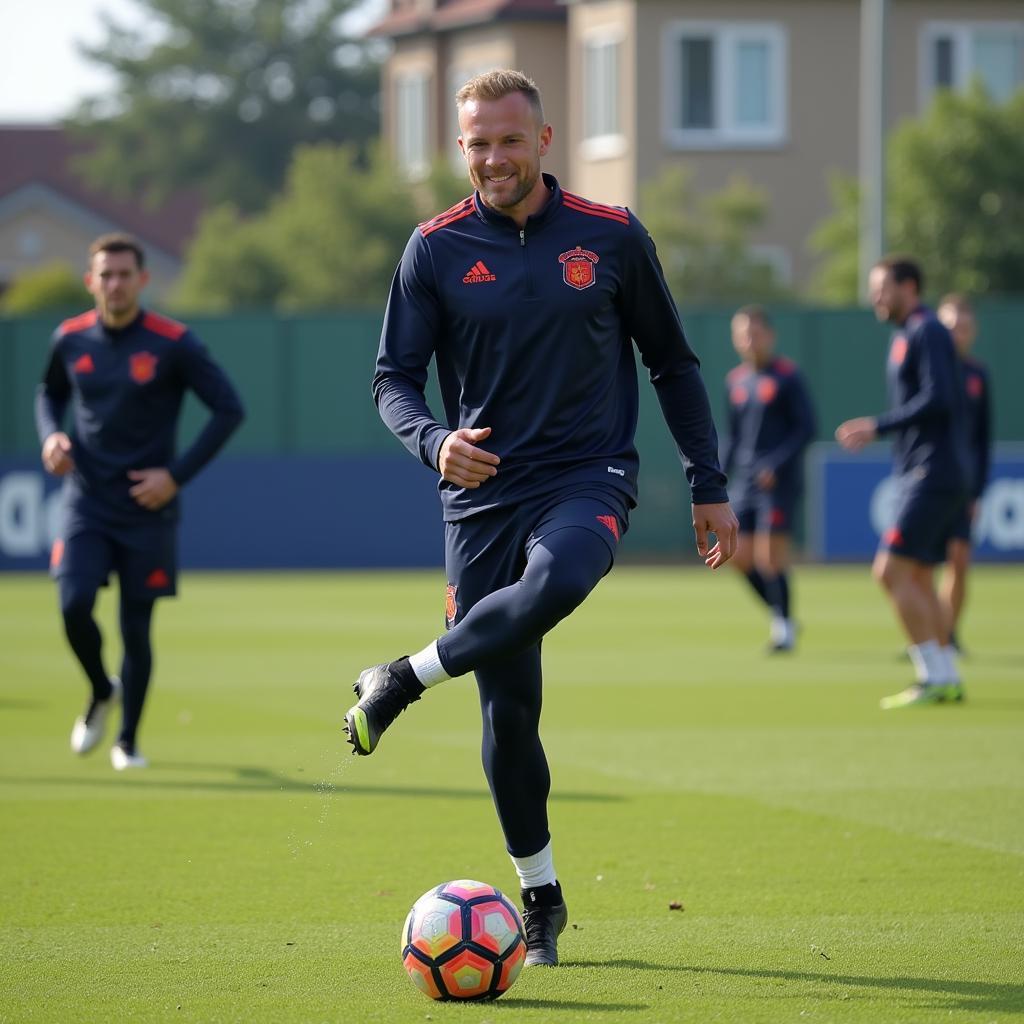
(126, 386)
(979, 423)
(532, 334)
(771, 422)
(927, 413)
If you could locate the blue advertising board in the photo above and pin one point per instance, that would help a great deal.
(851, 500)
(296, 512)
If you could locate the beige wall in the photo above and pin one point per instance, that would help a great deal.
(612, 177)
(63, 240)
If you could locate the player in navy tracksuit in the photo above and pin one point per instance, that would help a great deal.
(927, 420)
(529, 299)
(124, 372)
(958, 315)
(771, 422)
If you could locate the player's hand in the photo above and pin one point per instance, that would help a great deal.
(720, 520)
(766, 479)
(461, 462)
(153, 487)
(857, 433)
(57, 454)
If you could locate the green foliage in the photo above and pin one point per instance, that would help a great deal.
(216, 94)
(955, 200)
(332, 238)
(704, 240)
(54, 286)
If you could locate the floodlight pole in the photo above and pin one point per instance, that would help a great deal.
(873, 15)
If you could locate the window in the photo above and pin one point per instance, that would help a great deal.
(412, 118)
(602, 104)
(725, 84)
(955, 53)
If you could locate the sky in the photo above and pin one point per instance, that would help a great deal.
(42, 75)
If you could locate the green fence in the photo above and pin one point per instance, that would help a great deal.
(305, 380)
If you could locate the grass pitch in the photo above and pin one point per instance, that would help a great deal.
(833, 862)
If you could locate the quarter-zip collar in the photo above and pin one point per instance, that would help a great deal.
(535, 220)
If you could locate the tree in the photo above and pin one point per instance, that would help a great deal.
(955, 200)
(54, 286)
(332, 238)
(703, 241)
(216, 94)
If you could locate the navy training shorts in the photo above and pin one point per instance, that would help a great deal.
(924, 523)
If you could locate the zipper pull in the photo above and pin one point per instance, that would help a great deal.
(522, 236)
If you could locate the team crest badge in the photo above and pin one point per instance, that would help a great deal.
(142, 367)
(766, 390)
(578, 267)
(898, 352)
(451, 609)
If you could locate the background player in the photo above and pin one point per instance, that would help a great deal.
(771, 422)
(124, 371)
(926, 417)
(529, 299)
(956, 312)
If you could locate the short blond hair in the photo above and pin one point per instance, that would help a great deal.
(499, 83)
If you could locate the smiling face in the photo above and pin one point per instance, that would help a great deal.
(503, 142)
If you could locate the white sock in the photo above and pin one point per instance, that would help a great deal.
(948, 653)
(781, 630)
(427, 666)
(536, 870)
(929, 665)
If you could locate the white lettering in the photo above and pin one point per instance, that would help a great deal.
(21, 520)
(1001, 517)
(617, 472)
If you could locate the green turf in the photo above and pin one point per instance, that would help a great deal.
(834, 863)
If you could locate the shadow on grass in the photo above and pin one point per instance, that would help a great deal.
(264, 780)
(563, 1004)
(979, 996)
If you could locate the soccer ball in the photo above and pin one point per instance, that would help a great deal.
(463, 940)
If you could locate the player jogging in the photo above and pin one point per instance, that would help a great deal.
(124, 372)
(771, 422)
(529, 298)
(956, 312)
(926, 418)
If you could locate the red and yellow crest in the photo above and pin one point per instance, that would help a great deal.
(766, 390)
(142, 367)
(898, 352)
(578, 267)
(451, 609)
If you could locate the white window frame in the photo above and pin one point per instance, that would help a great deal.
(726, 37)
(415, 165)
(607, 144)
(961, 33)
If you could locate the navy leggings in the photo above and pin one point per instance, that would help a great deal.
(77, 598)
(500, 639)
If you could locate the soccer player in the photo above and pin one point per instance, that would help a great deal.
(530, 299)
(771, 422)
(927, 418)
(956, 312)
(124, 371)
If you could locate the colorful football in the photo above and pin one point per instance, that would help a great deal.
(463, 940)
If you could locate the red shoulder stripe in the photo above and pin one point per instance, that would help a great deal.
(82, 322)
(453, 211)
(435, 225)
(598, 209)
(163, 325)
(737, 372)
(605, 213)
(784, 366)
